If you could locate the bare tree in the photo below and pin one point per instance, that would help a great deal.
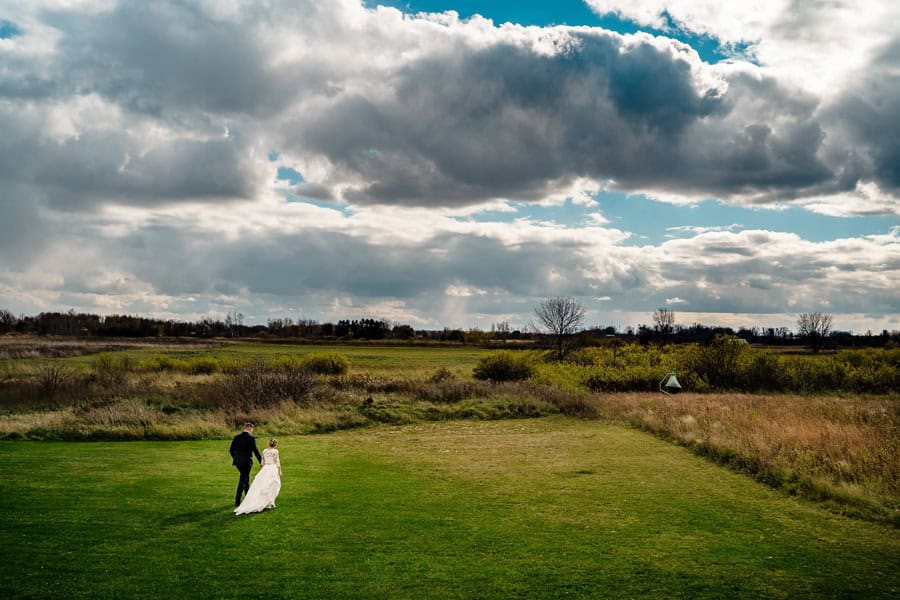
(7, 320)
(561, 316)
(814, 327)
(664, 322)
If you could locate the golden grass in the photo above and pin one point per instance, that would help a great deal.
(823, 447)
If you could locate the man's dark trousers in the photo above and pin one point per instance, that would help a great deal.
(243, 448)
(244, 481)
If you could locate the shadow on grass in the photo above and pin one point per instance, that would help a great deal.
(199, 517)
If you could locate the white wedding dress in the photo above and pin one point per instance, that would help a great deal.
(265, 486)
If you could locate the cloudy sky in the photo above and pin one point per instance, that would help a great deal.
(451, 162)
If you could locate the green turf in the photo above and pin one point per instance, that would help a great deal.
(538, 508)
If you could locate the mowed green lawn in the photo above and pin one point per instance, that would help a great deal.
(538, 508)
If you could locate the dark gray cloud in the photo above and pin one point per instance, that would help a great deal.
(168, 58)
(330, 262)
(23, 230)
(79, 169)
(868, 114)
(504, 121)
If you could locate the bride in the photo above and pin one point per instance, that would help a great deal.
(266, 484)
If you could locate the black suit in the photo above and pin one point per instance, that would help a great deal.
(243, 447)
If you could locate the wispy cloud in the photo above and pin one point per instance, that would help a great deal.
(697, 229)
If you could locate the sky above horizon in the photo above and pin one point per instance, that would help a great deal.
(451, 163)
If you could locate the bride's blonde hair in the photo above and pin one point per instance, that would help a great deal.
(273, 442)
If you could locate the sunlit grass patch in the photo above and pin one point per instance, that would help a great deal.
(536, 508)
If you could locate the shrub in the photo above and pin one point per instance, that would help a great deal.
(819, 374)
(504, 365)
(259, 385)
(765, 372)
(163, 362)
(203, 365)
(326, 363)
(51, 377)
(107, 361)
(873, 379)
(587, 357)
(441, 375)
(722, 361)
(451, 391)
(111, 370)
(642, 378)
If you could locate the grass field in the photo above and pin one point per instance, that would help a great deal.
(840, 449)
(539, 508)
(393, 360)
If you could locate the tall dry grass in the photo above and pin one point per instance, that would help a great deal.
(123, 401)
(31, 346)
(840, 450)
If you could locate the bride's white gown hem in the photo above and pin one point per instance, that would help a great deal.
(265, 486)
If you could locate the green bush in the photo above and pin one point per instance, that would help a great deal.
(588, 357)
(765, 372)
(872, 378)
(106, 362)
(504, 365)
(815, 374)
(163, 362)
(111, 371)
(642, 378)
(442, 375)
(326, 363)
(203, 365)
(723, 362)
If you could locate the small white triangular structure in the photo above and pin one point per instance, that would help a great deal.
(669, 384)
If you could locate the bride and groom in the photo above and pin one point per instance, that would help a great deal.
(267, 483)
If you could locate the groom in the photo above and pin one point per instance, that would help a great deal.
(243, 447)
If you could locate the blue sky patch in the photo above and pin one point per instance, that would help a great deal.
(8, 29)
(289, 174)
(653, 219)
(654, 222)
(561, 12)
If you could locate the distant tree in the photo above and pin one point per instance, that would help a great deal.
(403, 332)
(664, 323)
(7, 321)
(501, 330)
(371, 329)
(277, 327)
(562, 316)
(814, 327)
(475, 336)
(452, 335)
(234, 322)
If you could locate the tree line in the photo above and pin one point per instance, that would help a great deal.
(560, 320)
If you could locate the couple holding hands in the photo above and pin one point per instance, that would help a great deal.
(267, 483)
